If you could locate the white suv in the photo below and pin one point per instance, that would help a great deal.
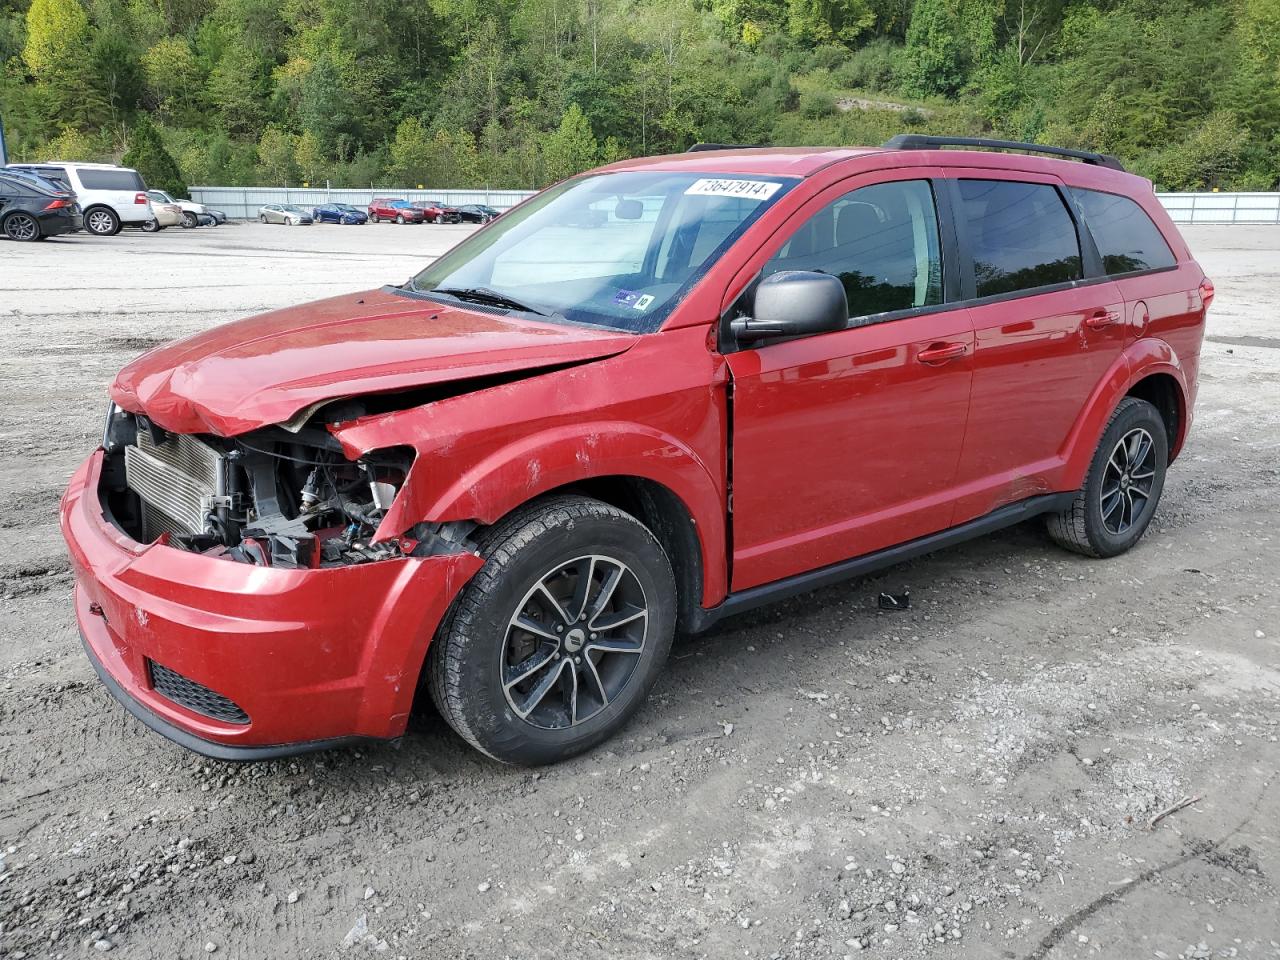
(111, 197)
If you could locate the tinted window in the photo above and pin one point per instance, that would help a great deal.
(13, 187)
(1125, 235)
(53, 175)
(881, 241)
(1020, 236)
(110, 179)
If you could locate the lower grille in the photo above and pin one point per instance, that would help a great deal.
(194, 696)
(177, 481)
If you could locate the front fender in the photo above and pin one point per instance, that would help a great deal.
(1139, 360)
(656, 412)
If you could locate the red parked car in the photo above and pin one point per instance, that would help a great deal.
(398, 211)
(512, 479)
(437, 211)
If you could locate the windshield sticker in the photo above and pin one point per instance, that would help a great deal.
(642, 303)
(745, 189)
(625, 298)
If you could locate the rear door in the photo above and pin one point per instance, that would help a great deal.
(847, 442)
(1048, 327)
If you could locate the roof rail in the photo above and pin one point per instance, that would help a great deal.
(912, 141)
(703, 147)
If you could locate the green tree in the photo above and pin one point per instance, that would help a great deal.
(309, 156)
(57, 32)
(275, 156)
(827, 21)
(571, 148)
(410, 153)
(173, 76)
(935, 60)
(148, 156)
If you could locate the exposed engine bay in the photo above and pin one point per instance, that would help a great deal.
(272, 497)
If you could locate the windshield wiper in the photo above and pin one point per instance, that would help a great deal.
(491, 297)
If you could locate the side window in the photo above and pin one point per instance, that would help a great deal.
(98, 179)
(881, 241)
(1125, 235)
(1020, 236)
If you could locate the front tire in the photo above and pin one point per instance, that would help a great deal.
(1122, 490)
(262, 218)
(554, 644)
(101, 222)
(400, 218)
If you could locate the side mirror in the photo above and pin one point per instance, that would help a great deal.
(794, 303)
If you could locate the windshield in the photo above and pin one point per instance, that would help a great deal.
(615, 250)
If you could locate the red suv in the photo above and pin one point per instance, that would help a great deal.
(390, 208)
(513, 478)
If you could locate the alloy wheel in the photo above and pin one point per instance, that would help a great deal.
(1127, 481)
(574, 642)
(100, 222)
(20, 226)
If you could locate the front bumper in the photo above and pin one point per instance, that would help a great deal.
(313, 657)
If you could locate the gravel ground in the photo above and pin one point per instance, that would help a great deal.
(973, 777)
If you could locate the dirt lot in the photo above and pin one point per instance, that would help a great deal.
(973, 777)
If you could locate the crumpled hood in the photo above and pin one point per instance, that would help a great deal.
(265, 369)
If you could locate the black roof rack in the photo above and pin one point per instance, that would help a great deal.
(912, 141)
(703, 147)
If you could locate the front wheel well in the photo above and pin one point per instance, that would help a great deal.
(667, 518)
(1163, 392)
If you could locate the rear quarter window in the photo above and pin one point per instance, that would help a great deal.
(1127, 238)
(111, 180)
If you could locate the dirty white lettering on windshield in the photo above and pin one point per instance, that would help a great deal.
(746, 189)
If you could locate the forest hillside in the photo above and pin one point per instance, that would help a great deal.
(519, 93)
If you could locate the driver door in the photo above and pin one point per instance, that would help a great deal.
(848, 442)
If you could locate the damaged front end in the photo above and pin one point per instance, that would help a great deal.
(272, 497)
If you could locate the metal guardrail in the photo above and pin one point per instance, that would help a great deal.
(243, 202)
(1222, 207)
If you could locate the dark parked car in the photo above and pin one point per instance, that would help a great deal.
(437, 211)
(339, 213)
(477, 213)
(32, 208)
(513, 477)
(389, 208)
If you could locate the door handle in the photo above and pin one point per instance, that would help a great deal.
(1101, 318)
(938, 353)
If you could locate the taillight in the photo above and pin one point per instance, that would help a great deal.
(1206, 292)
(139, 198)
(58, 204)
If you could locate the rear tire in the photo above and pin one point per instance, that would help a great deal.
(21, 226)
(101, 221)
(151, 226)
(598, 589)
(1122, 490)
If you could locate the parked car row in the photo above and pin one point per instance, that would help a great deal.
(392, 209)
(39, 200)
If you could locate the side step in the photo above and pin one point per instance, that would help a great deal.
(1006, 516)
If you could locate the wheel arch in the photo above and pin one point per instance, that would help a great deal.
(1164, 392)
(646, 472)
(1147, 369)
(667, 518)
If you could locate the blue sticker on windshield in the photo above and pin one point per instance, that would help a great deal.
(625, 298)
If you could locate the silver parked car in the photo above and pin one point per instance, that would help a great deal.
(283, 213)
